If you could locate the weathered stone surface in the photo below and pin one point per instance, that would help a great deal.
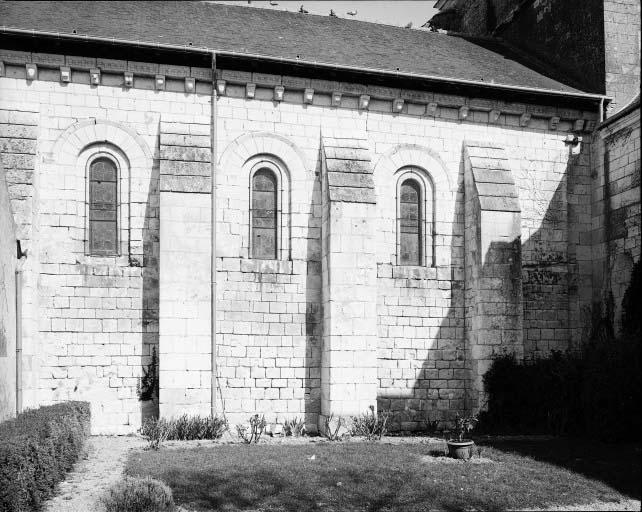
(352, 195)
(174, 71)
(505, 189)
(78, 62)
(189, 154)
(200, 184)
(111, 64)
(198, 141)
(350, 179)
(346, 153)
(180, 168)
(352, 166)
(483, 175)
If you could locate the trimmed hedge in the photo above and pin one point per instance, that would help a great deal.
(37, 448)
(595, 393)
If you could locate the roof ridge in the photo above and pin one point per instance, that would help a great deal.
(294, 13)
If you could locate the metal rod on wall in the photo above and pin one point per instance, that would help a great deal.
(213, 157)
(18, 294)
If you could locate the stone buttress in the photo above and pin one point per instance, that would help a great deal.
(349, 297)
(494, 311)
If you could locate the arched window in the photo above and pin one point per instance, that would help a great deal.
(264, 209)
(415, 218)
(410, 223)
(103, 207)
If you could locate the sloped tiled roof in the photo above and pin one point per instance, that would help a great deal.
(276, 33)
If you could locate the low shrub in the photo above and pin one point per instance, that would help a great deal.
(135, 494)
(252, 432)
(332, 427)
(370, 425)
(593, 393)
(147, 386)
(431, 426)
(294, 427)
(37, 448)
(464, 425)
(183, 428)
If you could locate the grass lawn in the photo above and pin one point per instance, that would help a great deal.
(355, 476)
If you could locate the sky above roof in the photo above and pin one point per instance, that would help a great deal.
(388, 12)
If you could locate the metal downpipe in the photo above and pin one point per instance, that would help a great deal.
(213, 158)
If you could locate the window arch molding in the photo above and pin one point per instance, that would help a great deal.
(430, 163)
(234, 166)
(426, 214)
(275, 167)
(88, 156)
(68, 155)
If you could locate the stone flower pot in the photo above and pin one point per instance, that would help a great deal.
(460, 449)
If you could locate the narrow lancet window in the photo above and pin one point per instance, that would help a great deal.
(103, 208)
(264, 215)
(410, 223)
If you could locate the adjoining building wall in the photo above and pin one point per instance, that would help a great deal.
(616, 213)
(592, 44)
(622, 51)
(99, 317)
(8, 263)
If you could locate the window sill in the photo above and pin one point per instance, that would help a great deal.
(88, 259)
(266, 266)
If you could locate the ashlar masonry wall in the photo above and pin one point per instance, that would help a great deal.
(99, 318)
(422, 369)
(616, 214)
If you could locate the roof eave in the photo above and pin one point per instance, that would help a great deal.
(300, 62)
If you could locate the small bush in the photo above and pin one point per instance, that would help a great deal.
(252, 433)
(332, 427)
(183, 428)
(147, 386)
(294, 427)
(595, 393)
(37, 448)
(133, 494)
(370, 425)
(464, 425)
(632, 303)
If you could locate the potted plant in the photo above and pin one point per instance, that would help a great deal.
(460, 447)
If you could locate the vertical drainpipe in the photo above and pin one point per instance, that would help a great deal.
(213, 158)
(18, 284)
(601, 112)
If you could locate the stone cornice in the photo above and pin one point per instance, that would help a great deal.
(271, 87)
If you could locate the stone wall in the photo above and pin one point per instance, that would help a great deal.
(8, 263)
(420, 311)
(616, 213)
(622, 47)
(494, 293)
(99, 317)
(19, 133)
(593, 45)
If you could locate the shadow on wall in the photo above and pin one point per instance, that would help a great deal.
(313, 309)
(150, 269)
(444, 382)
(439, 391)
